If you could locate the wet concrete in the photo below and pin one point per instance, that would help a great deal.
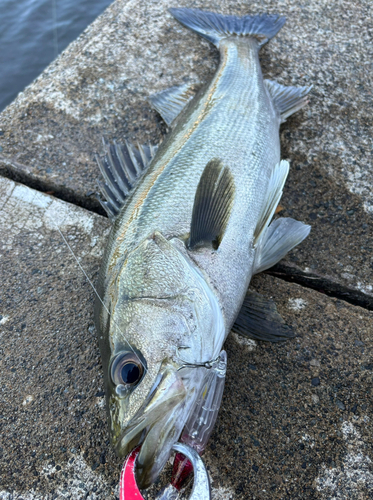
(99, 85)
(295, 421)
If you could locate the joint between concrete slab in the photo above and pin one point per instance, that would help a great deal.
(322, 284)
(14, 171)
(283, 271)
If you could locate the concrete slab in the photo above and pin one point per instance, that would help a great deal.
(99, 85)
(295, 419)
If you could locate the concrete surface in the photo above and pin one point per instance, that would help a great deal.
(296, 418)
(99, 85)
(295, 421)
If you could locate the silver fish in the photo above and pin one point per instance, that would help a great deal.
(191, 226)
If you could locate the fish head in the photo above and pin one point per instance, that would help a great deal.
(165, 326)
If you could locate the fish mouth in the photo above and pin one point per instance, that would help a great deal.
(157, 425)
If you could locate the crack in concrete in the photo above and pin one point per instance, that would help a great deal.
(290, 273)
(322, 284)
(17, 172)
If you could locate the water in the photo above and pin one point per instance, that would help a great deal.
(33, 33)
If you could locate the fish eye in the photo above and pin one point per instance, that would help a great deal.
(126, 369)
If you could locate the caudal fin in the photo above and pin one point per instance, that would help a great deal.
(215, 27)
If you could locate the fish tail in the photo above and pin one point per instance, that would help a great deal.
(214, 27)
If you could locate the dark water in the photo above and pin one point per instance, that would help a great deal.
(33, 33)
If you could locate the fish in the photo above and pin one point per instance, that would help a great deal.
(192, 223)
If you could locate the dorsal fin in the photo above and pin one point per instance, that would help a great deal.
(169, 103)
(212, 205)
(121, 167)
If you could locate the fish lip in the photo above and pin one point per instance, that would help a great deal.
(123, 448)
(149, 472)
(160, 409)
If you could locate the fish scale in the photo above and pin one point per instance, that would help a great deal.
(169, 201)
(188, 238)
(251, 177)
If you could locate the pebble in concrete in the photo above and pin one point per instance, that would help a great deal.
(277, 435)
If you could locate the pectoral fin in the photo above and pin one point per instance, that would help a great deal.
(259, 320)
(212, 205)
(277, 240)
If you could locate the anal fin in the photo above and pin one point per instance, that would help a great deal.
(169, 103)
(212, 205)
(259, 320)
(287, 100)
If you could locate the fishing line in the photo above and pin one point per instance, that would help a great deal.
(97, 294)
(30, 201)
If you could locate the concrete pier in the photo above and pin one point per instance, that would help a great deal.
(296, 418)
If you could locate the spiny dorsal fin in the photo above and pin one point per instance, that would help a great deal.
(121, 167)
(258, 319)
(169, 103)
(212, 205)
(274, 193)
(287, 100)
(278, 239)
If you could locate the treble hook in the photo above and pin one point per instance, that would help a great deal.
(128, 489)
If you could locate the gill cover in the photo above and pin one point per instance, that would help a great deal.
(163, 308)
(159, 274)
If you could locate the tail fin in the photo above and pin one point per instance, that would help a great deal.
(215, 27)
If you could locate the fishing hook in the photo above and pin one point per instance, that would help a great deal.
(128, 489)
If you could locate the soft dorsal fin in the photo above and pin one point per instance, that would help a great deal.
(212, 205)
(121, 167)
(258, 319)
(287, 100)
(169, 103)
(274, 193)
